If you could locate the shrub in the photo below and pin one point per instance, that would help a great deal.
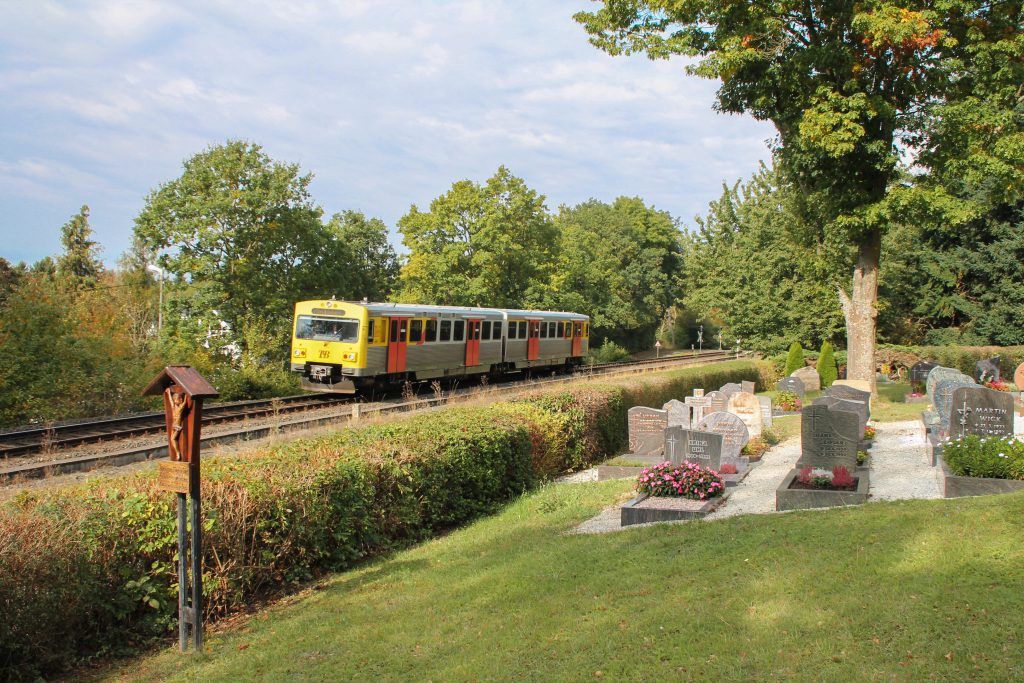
(788, 401)
(755, 448)
(687, 480)
(770, 436)
(795, 359)
(996, 457)
(827, 368)
(609, 352)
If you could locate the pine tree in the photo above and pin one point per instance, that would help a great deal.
(80, 260)
(795, 359)
(827, 369)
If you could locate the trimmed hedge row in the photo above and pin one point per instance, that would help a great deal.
(88, 571)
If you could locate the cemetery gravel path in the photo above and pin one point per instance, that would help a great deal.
(900, 469)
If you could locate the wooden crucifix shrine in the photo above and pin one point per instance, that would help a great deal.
(183, 390)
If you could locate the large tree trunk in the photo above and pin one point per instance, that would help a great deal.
(860, 312)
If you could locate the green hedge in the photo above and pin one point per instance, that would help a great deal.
(88, 570)
(962, 358)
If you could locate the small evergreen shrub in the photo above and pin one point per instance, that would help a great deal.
(827, 369)
(609, 352)
(795, 359)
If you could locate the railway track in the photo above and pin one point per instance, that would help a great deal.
(284, 411)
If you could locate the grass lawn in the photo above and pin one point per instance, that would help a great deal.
(908, 591)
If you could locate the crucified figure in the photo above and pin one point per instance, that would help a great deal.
(178, 406)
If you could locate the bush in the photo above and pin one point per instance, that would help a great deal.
(687, 480)
(974, 456)
(827, 368)
(609, 352)
(795, 359)
(789, 401)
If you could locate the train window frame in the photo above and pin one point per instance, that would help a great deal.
(459, 331)
(543, 330)
(369, 331)
(416, 335)
(445, 330)
(524, 331)
(513, 329)
(430, 331)
(496, 330)
(307, 321)
(560, 332)
(485, 330)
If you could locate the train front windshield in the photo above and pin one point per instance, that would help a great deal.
(318, 328)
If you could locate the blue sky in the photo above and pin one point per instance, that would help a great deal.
(386, 103)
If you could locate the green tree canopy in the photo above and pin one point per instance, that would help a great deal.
(80, 263)
(371, 261)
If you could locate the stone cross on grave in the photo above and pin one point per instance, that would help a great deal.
(698, 404)
(964, 412)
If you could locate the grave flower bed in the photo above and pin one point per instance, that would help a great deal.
(808, 488)
(839, 479)
(998, 385)
(687, 480)
(992, 457)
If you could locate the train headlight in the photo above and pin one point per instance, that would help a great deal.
(349, 356)
(300, 353)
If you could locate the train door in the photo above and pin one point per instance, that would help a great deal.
(577, 339)
(472, 343)
(397, 334)
(533, 340)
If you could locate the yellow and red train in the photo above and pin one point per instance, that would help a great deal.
(344, 347)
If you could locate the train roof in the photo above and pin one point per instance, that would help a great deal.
(417, 310)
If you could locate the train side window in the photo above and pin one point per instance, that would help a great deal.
(369, 331)
(586, 329)
(415, 331)
(513, 330)
(446, 331)
(561, 330)
(496, 330)
(459, 331)
(487, 330)
(543, 330)
(522, 329)
(431, 331)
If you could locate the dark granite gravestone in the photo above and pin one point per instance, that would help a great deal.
(828, 438)
(919, 370)
(701, 448)
(939, 373)
(810, 377)
(730, 389)
(698, 405)
(734, 433)
(647, 430)
(1018, 377)
(747, 408)
(848, 393)
(858, 407)
(792, 385)
(748, 387)
(942, 401)
(678, 413)
(981, 411)
(718, 402)
(767, 417)
(988, 370)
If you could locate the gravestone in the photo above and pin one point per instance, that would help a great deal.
(859, 384)
(810, 377)
(1018, 377)
(828, 438)
(981, 411)
(647, 430)
(730, 389)
(919, 370)
(748, 386)
(701, 448)
(850, 394)
(698, 406)
(939, 373)
(858, 407)
(734, 433)
(698, 393)
(718, 402)
(988, 370)
(767, 418)
(678, 413)
(748, 408)
(943, 399)
(792, 385)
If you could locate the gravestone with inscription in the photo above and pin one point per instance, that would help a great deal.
(919, 370)
(647, 430)
(748, 386)
(747, 408)
(981, 411)
(678, 413)
(718, 402)
(792, 385)
(828, 438)
(698, 405)
(734, 433)
(943, 399)
(767, 417)
(701, 448)
(810, 377)
(988, 370)
(730, 389)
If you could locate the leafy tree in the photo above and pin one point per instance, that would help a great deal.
(841, 81)
(371, 263)
(826, 366)
(618, 263)
(795, 359)
(80, 262)
(9, 277)
(486, 245)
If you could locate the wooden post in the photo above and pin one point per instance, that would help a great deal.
(183, 390)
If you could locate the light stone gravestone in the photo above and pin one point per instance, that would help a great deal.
(718, 402)
(792, 385)
(936, 375)
(767, 417)
(698, 393)
(678, 413)
(1018, 377)
(647, 430)
(748, 386)
(810, 377)
(747, 408)
(982, 411)
(943, 399)
(698, 405)
(828, 438)
(734, 433)
(859, 384)
(701, 448)
(730, 389)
